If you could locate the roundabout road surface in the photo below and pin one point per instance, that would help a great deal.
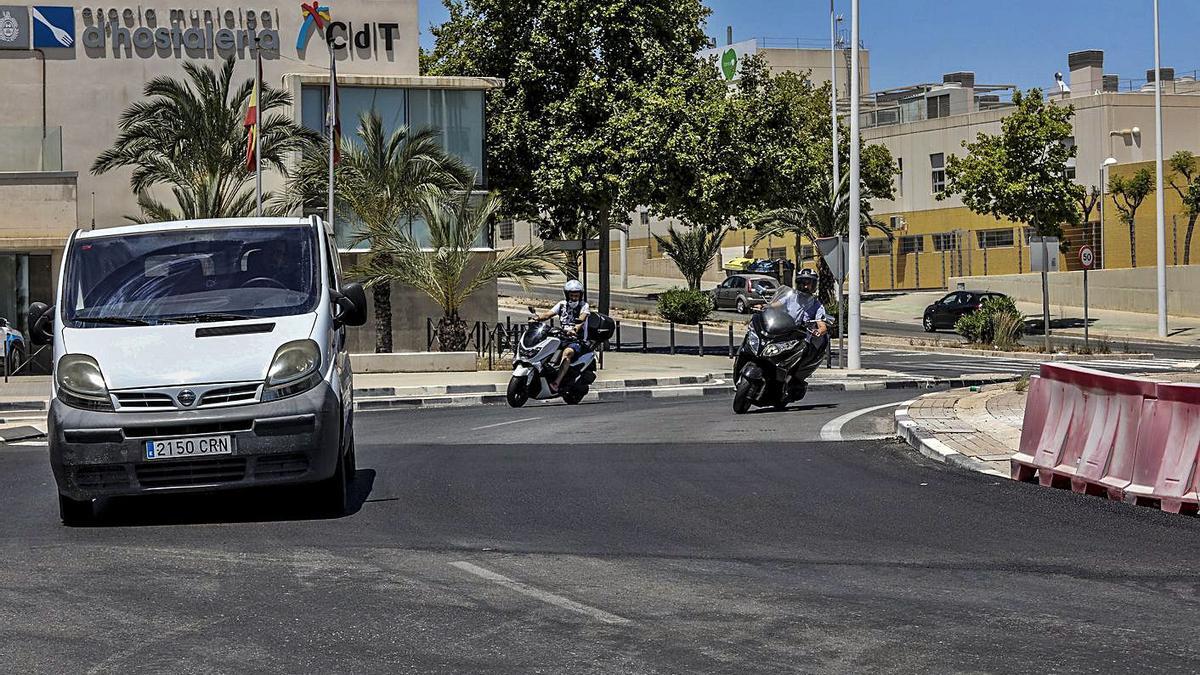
(637, 536)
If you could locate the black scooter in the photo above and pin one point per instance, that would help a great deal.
(777, 357)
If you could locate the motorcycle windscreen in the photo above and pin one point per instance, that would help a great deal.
(534, 334)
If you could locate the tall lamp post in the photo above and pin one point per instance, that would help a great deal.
(854, 356)
(833, 45)
(1161, 220)
(1103, 185)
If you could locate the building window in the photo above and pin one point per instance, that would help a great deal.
(879, 246)
(777, 252)
(1002, 238)
(506, 230)
(912, 244)
(806, 252)
(1069, 170)
(645, 217)
(937, 106)
(946, 241)
(899, 177)
(937, 163)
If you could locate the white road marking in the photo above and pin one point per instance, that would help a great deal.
(832, 431)
(500, 424)
(544, 596)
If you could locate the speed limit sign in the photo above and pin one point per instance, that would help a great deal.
(1087, 258)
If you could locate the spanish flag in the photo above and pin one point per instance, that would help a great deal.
(251, 122)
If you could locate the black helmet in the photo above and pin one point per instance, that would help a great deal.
(807, 281)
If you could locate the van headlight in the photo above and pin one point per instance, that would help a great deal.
(295, 369)
(81, 384)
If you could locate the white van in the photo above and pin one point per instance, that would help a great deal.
(200, 355)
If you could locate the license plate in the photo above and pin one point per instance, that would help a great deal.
(196, 446)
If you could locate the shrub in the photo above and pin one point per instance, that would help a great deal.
(684, 306)
(996, 323)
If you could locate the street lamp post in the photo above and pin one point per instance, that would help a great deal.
(1161, 220)
(836, 184)
(1103, 185)
(854, 360)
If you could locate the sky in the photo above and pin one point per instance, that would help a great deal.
(1021, 42)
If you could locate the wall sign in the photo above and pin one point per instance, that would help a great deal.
(147, 31)
(14, 27)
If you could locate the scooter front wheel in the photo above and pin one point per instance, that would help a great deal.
(516, 395)
(741, 396)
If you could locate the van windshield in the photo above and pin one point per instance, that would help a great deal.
(191, 275)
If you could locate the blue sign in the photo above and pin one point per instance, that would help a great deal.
(53, 27)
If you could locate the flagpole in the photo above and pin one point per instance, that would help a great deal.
(258, 126)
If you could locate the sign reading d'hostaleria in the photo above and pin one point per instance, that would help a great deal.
(149, 30)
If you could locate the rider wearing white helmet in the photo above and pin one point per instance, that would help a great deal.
(572, 312)
(806, 306)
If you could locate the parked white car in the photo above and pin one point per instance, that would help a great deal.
(200, 355)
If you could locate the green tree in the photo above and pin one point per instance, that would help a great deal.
(189, 135)
(445, 268)
(1186, 183)
(382, 179)
(563, 128)
(1019, 174)
(1089, 198)
(692, 251)
(1128, 195)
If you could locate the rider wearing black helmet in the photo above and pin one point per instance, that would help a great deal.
(805, 305)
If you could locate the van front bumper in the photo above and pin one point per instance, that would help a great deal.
(102, 454)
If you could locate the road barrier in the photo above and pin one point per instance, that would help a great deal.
(1114, 435)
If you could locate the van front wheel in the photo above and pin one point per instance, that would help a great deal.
(329, 495)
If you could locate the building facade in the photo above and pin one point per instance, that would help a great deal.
(68, 72)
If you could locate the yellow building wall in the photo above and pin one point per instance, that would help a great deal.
(1116, 233)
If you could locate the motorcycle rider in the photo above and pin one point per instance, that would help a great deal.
(804, 305)
(572, 312)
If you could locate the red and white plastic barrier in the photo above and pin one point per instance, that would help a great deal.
(1111, 434)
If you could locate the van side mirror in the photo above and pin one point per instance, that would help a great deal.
(351, 303)
(41, 323)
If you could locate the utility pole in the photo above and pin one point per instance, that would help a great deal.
(1158, 186)
(854, 358)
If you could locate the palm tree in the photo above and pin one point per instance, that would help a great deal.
(442, 268)
(189, 134)
(382, 179)
(817, 219)
(692, 251)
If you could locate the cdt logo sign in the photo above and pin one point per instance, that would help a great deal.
(14, 27)
(53, 27)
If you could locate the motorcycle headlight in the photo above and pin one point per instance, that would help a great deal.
(753, 340)
(81, 384)
(780, 347)
(295, 369)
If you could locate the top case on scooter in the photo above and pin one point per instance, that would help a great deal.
(601, 327)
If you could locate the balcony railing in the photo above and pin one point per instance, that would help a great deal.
(30, 149)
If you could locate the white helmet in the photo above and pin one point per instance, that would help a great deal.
(572, 286)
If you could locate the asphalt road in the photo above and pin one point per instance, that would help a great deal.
(911, 329)
(643, 536)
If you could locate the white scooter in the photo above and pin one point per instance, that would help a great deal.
(537, 360)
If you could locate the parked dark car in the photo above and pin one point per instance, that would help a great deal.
(945, 312)
(744, 291)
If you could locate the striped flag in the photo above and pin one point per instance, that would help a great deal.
(251, 122)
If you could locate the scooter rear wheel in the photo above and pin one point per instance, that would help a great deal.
(741, 397)
(516, 395)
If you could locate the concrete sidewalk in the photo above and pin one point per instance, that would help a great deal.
(977, 428)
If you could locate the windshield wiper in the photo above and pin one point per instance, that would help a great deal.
(115, 320)
(201, 318)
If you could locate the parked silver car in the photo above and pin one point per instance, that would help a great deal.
(744, 291)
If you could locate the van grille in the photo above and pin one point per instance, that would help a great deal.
(102, 476)
(143, 399)
(192, 472)
(235, 394)
(168, 430)
(280, 466)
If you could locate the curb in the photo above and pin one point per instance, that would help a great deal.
(951, 350)
(714, 388)
(22, 433)
(22, 406)
(925, 443)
